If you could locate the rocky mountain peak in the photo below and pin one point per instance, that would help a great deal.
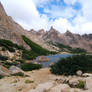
(41, 31)
(68, 33)
(2, 11)
(52, 29)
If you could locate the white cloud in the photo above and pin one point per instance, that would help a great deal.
(70, 1)
(25, 13)
(62, 25)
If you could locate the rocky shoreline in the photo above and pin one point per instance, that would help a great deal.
(43, 81)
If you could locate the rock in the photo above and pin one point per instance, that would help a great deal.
(74, 82)
(4, 71)
(76, 90)
(43, 87)
(87, 75)
(60, 88)
(79, 73)
(88, 83)
(16, 71)
(51, 64)
(60, 80)
(42, 59)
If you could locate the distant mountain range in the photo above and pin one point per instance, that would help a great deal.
(10, 30)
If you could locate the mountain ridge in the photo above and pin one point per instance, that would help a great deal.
(10, 30)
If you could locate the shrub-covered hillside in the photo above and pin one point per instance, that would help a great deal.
(69, 49)
(37, 48)
(7, 44)
(69, 65)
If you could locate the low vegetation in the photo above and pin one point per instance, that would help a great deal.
(8, 45)
(30, 66)
(69, 65)
(37, 49)
(3, 58)
(69, 49)
(28, 81)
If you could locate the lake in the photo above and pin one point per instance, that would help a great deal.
(54, 58)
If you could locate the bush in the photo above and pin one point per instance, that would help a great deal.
(81, 84)
(36, 48)
(69, 65)
(28, 81)
(69, 49)
(30, 66)
(3, 58)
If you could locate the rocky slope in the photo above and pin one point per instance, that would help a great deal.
(43, 81)
(10, 30)
(67, 38)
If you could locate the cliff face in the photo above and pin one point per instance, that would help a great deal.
(67, 38)
(9, 29)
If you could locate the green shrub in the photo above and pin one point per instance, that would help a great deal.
(19, 74)
(81, 84)
(69, 49)
(1, 76)
(37, 48)
(69, 65)
(28, 81)
(9, 45)
(3, 58)
(30, 66)
(3, 49)
(29, 55)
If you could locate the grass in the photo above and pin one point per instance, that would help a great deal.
(28, 81)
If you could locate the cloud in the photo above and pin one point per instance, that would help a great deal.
(61, 15)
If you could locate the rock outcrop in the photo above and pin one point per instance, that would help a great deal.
(16, 71)
(4, 71)
(10, 30)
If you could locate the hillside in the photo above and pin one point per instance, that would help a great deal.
(67, 38)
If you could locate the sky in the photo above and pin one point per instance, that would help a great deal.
(73, 15)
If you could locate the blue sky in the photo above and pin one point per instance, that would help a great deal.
(74, 15)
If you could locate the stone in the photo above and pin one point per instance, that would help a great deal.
(79, 73)
(74, 82)
(43, 87)
(87, 75)
(4, 71)
(16, 71)
(42, 59)
(88, 84)
(60, 88)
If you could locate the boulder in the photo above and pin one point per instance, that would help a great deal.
(88, 83)
(74, 82)
(4, 71)
(16, 71)
(43, 87)
(79, 73)
(42, 59)
(60, 88)
(87, 75)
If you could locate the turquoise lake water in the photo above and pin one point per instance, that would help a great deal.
(54, 58)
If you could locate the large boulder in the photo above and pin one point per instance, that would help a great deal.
(42, 59)
(79, 73)
(4, 71)
(60, 88)
(43, 87)
(16, 71)
(89, 83)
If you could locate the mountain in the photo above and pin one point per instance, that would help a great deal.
(67, 38)
(9, 29)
